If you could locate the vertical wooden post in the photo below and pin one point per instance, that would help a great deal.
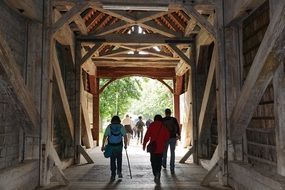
(221, 94)
(194, 106)
(279, 105)
(77, 119)
(176, 107)
(233, 80)
(46, 94)
(96, 121)
(94, 87)
(176, 93)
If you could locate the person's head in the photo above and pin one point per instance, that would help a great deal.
(167, 112)
(115, 119)
(157, 117)
(140, 117)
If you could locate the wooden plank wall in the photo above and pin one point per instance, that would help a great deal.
(260, 133)
(14, 31)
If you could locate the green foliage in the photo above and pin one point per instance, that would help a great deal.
(118, 96)
(155, 98)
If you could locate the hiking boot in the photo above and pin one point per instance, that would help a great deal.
(120, 175)
(113, 177)
(157, 178)
(163, 166)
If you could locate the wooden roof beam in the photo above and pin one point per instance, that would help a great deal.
(203, 22)
(181, 54)
(134, 3)
(69, 16)
(134, 39)
(190, 27)
(89, 54)
(136, 63)
(165, 73)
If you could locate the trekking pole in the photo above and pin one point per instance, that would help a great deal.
(128, 163)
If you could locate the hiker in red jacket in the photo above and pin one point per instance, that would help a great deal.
(159, 134)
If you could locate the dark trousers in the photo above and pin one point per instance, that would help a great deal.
(140, 135)
(116, 156)
(156, 160)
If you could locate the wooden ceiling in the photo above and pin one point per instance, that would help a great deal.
(139, 37)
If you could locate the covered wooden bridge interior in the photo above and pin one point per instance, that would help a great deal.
(225, 56)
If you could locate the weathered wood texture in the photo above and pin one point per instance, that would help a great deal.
(29, 8)
(254, 28)
(13, 31)
(62, 91)
(23, 97)
(279, 104)
(46, 99)
(265, 63)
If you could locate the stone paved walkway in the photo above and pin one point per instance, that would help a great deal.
(97, 175)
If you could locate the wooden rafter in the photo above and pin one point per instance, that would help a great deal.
(89, 54)
(80, 24)
(190, 27)
(180, 23)
(93, 19)
(181, 54)
(112, 28)
(136, 63)
(169, 23)
(204, 23)
(136, 57)
(134, 39)
(89, 14)
(68, 16)
(162, 73)
(114, 52)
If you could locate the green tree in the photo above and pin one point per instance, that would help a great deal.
(154, 99)
(118, 96)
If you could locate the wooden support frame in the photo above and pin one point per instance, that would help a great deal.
(83, 152)
(194, 14)
(279, 101)
(169, 87)
(261, 73)
(210, 175)
(186, 156)
(89, 54)
(206, 96)
(69, 16)
(133, 39)
(60, 83)
(181, 54)
(9, 66)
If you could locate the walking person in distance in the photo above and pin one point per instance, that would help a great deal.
(173, 128)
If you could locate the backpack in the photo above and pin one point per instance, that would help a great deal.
(139, 125)
(115, 136)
